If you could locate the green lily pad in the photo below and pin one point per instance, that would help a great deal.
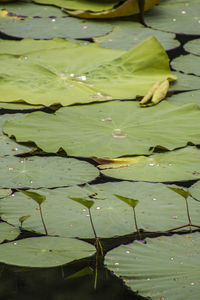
(48, 28)
(178, 165)
(188, 64)
(30, 9)
(111, 216)
(44, 252)
(81, 74)
(118, 128)
(175, 16)
(5, 192)
(193, 46)
(164, 268)
(8, 146)
(185, 82)
(36, 172)
(8, 232)
(19, 106)
(126, 35)
(187, 97)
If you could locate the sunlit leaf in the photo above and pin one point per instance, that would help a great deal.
(35, 196)
(84, 202)
(184, 193)
(130, 201)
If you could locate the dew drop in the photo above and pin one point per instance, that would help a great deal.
(116, 263)
(72, 75)
(21, 161)
(83, 209)
(119, 134)
(183, 12)
(106, 120)
(85, 27)
(15, 243)
(171, 258)
(63, 75)
(127, 251)
(87, 215)
(31, 181)
(148, 279)
(13, 195)
(53, 20)
(151, 164)
(99, 95)
(19, 184)
(98, 207)
(174, 20)
(14, 149)
(191, 283)
(199, 21)
(154, 199)
(157, 165)
(10, 169)
(169, 165)
(25, 57)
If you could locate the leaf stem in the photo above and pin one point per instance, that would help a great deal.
(92, 224)
(45, 229)
(135, 220)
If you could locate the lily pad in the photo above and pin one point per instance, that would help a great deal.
(164, 268)
(193, 46)
(178, 16)
(125, 8)
(188, 64)
(126, 35)
(44, 252)
(5, 192)
(187, 97)
(19, 106)
(111, 129)
(185, 82)
(29, 9)
(111, 216)
(37, 172)
(48, 28)
(195, 190)
(8, 146)
(8, 232)
(96, 74)
(178, 165)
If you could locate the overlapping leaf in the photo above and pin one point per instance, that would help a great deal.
(36, 172)
(81, 74)
(187, 97)
(185, 82)
(188, 64)
(44, 252)
(110, 129)
(164, 268)
(178, 165)
(8, 232)
(111, 216)
(193, 46)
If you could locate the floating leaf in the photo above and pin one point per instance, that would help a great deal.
(178, 165)
(111, 217)
(118, 128)
(126, 8)
(96, 74)
(193, 46)
(185, 82)
(8, 146)
(44, 252)
(163, 268)
(175, 16)
(35, 196)
(186, 97)
(84, 202)
(188, 64)
(36, 172)
(128, 34)
(131, 202)
(8, 232)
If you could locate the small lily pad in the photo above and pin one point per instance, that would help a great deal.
(8, 232)
(188, 64)
(44, 252)
(193, 46)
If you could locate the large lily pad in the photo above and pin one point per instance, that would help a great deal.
(44, 252)
(187, 97)
(164, 268)
(8, 146)
(178, 165)
(111, 129)
(111, 216)
(178, 16)
(36, 172)
(193, 46)
(8, 232)
(188, 64)
(126, 35)
(48, 28)
(96, 74)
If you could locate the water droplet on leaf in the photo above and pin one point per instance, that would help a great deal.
(119, 134)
